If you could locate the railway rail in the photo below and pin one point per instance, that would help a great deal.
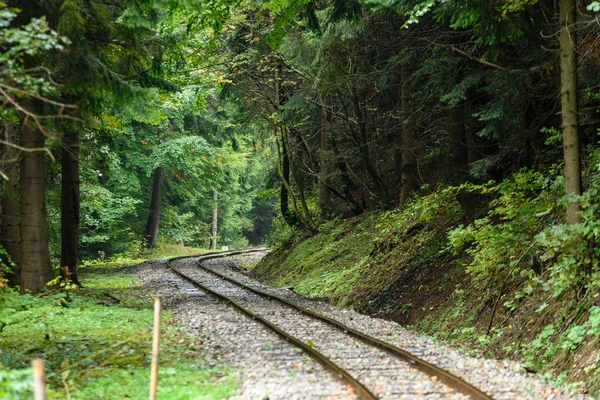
(275, 317)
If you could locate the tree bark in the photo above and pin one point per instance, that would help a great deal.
(155, 204)
(69, 221)
(11, 232)
(409, 159)
(569, 106)
(324, 163)
(36, 269)
(213, 241)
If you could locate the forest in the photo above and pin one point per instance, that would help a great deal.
(136, 125)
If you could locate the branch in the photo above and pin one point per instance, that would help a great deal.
(28, 149)
(48, 72)
(36, 118)
(478, 60)
(24, 111)
(35, 96)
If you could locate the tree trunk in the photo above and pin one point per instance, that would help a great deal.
(155, 203)
(362, 138)
(458, 146)
(287, 215)
(348, 184)
(409, 159)
(569, 106)
(213, 241)
(69, 228)
(306, 219)
(11, 232)
(291, 218)
(36, 269)
(324, 163)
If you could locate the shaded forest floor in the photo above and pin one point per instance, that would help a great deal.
(97, 342)
(401, 265)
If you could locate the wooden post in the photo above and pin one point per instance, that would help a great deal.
(155, 346)
(39, 379)
(213, 241)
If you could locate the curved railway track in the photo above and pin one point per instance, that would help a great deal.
(266, 314)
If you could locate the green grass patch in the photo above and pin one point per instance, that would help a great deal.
(139, 253)
(97, 343)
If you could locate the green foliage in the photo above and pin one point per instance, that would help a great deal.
(523, 219)
(554, 136)
(281, 233)
(183, 228)
(330, 264)
(572, 251)
(286, 12)
(103, 213)
(594, 6)
(16, 384)
(541, 343)
(19, 80)
(501, 242)
(552, 341)
(6, 266)
(395, 226)
(523, 222)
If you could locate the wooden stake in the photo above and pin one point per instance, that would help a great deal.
(39, 379)
(155, 347)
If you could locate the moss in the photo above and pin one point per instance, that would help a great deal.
(329, 264)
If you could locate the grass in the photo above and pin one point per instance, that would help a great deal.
(97, 341)
(140, 254)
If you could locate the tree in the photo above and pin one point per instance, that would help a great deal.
(35, 269)
(24, 92)
(151, 234)
(70, 205)
(569, 106)
(11, 233)
(409, 140)
(325, 167)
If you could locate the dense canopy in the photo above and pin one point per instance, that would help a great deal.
(138, 123)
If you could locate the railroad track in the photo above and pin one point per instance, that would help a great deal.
(369, 365)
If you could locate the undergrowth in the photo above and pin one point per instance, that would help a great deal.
(97, 342)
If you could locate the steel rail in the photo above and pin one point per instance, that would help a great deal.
(361, 391)
(444, 376)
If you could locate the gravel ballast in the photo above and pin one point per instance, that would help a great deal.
(269, 367)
